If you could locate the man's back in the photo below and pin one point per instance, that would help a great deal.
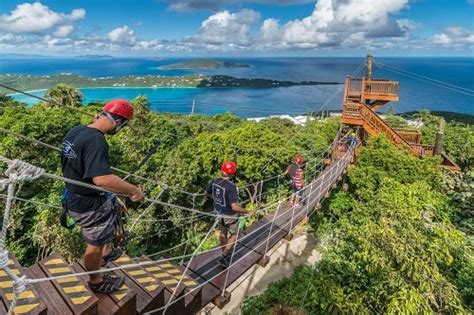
(224, 194)
(84, 156)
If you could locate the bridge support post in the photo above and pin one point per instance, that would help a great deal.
(222, 299)
(263, 262)
(271, 228)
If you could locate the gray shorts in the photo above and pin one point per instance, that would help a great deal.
(97, 226)
(229, 225)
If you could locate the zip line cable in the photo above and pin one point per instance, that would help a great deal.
(425, 77)
(394, 70)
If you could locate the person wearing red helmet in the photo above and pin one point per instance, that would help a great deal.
(85, 158)
(296, 174)
(226, 202)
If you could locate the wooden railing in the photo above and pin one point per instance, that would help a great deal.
(362, 89)
(379, 125)
(380, 87)
(411, 136)
(351, 110)
(422, 149)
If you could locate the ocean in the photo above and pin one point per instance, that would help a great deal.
(437, 84)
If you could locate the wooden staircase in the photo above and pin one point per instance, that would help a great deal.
(363, 96)
(148, 285)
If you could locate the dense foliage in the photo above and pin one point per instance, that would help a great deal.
(191, 151)
(397, 239)
(388, 245)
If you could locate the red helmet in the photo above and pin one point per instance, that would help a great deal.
(298, 159)
(119, 107)
(229, 167)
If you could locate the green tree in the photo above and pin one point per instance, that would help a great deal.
(64, 95)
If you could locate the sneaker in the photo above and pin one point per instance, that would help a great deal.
(108, 285)
(113, 255)
(224, 261)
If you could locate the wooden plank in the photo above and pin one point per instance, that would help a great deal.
(48, 293)
(122, 302)
(143, 299)
(168, 275)
(144, 280)
(73, 289)
(29, 300)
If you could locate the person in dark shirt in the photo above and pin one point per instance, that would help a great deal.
(85, 158)
(296, 174)
(226, 202)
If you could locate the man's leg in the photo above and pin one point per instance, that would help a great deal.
(223, 240)
(92, 260)
(230, 244)
(107, 248)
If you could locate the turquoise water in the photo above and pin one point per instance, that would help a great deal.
(242, 102)
(414, 93)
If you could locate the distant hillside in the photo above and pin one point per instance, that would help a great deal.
(94, 57)
(203, 64)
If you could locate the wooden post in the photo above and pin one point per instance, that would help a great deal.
(438, 149)
(368, 65)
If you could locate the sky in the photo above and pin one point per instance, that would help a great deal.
(238, 27)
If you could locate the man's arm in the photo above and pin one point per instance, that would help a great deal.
(237, 208)
(119, 186)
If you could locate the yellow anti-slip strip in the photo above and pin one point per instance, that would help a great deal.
(22, 309)
(6, 284)
(123, 259)
(137, 272)
(4, 274)
(151, 287)
(146, 279)
(54, 262)
(80, 300)
(190, 283)
(120, 296)
(152, 268)
(59, 270)
(161, 275)
(68, 279)
(23, 295)
(78, 288)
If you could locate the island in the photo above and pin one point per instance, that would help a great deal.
(31, 82)
(203, 64)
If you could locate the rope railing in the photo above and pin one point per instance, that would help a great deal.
(30, 172)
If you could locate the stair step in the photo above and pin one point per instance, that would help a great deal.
(169, 275)
(122, 302)
(150, 292)
(29, 301)
(73, 289)
(48, 293)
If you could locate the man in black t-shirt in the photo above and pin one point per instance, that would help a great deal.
(226, 202)
(85, 158)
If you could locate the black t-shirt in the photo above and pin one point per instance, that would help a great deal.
(84, 155)
(224, 194)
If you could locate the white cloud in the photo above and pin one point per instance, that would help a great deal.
(63, 31)
(336, 22)
(227, 28)
(77, 14)
(454, 37)
(122, 35)
(36, 18)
